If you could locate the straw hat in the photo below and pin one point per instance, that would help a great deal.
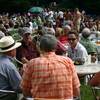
(7, 43)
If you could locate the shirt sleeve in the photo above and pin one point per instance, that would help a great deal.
(20, 53)
(75, 79)
(14, 79)
(27, 77)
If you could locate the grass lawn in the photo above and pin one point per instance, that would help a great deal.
(87, 95)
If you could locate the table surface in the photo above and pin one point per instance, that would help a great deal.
(87, 69)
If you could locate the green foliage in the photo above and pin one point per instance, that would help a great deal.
(90, 6)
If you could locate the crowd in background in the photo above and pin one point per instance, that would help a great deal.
(74, 32)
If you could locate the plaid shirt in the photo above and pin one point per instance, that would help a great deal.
(90, 46)
(50, 76)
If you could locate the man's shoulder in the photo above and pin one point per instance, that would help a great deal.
(62, 35)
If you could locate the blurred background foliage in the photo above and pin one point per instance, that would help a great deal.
(90, 6)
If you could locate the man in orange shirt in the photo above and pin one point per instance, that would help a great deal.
(50, 76)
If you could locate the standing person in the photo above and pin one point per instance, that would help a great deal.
(50, 76)
(68, 18)
(75, 49)
(60, 16)
(28, 49)
(78, 17)
(9, 76)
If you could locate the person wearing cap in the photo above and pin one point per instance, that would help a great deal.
(63, 38)
(90, 46)
(9, 75)
(28, 49)
(75, 49)
(50, 76)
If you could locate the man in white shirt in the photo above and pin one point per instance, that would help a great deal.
(60, 16)
(75, 49)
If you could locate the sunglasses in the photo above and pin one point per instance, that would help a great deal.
(73, 39)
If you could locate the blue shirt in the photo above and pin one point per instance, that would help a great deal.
(9, 76)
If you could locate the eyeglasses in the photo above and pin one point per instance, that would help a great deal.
(73, 39)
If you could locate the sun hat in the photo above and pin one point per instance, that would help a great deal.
(7, 43)
(26, 30)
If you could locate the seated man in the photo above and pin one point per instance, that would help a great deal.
(50, 76)
(28, 49)
(61, 49)
(40, 31)
(63, 37)
(9, 76)
(90, 46)
(75, 49)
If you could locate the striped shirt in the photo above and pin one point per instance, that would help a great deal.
(50, 76)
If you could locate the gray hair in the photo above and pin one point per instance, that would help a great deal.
(97, 34)
(86, 33)
(68, 27)
(48, 42)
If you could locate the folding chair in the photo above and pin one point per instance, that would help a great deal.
(96, 92)
(18, 97)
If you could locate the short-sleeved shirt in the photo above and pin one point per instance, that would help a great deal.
(9, 75)
(63, 39)
(50, 76)
(28, 52)
(79, 51)
(90, 46)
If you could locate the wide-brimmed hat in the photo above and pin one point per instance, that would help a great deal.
(7, 43)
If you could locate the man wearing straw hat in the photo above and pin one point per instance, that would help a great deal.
(9, 76)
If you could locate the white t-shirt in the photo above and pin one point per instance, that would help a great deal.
(60, 14)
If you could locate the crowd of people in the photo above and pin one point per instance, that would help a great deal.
(44, 72)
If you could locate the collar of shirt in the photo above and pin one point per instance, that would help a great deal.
(23, 43)
(5, 56)
(49, 54)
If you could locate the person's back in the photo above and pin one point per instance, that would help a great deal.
(9, 75)
(52, 76)
(90, 46)
(7, 82)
